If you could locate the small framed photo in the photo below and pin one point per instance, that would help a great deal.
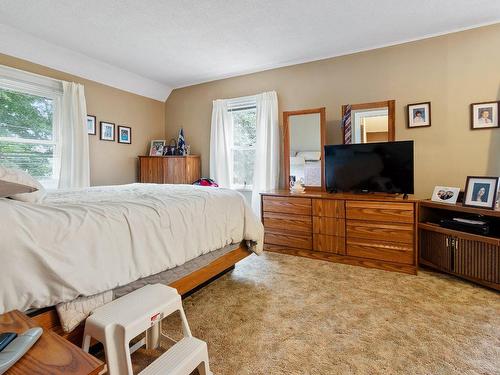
(157, 146)
(91, 124)
(419, 115)
(124, 134)
(484, 115)
(445, 194)
(107, 131)
(481, 192)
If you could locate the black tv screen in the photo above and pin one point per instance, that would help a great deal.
(370, 167)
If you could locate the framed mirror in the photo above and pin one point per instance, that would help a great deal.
(369, 122)
(304, 140)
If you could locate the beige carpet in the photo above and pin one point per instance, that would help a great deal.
(279, 314)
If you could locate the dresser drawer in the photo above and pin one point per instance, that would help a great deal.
(328, 207)
(329, 225)
(290, 205)
(380, 211)
(380, 231)
(287, 223)
(329, 244)
(381, 250)
(298, 241)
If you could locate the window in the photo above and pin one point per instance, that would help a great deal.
(29, 137)
(244, 135)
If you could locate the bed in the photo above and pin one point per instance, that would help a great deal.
(83, 243)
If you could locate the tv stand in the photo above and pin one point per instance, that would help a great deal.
(470, 256)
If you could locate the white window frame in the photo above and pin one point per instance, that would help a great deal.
(33, 84)
(233, 105)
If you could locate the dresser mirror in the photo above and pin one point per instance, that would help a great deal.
(369, 122)
(304, 138)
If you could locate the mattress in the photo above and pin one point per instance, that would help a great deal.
(84, 242)
(72, 313)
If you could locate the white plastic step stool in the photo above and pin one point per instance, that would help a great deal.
(119, 321)
(180, 359)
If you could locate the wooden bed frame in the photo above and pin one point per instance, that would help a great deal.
(49, 320)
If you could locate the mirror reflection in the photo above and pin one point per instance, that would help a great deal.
(370, 125)
(305, 148)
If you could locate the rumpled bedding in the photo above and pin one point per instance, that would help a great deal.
(83, 242)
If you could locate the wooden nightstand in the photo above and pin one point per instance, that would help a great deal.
(51, 354)
(169, 169)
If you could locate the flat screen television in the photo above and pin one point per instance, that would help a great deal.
(385, 167)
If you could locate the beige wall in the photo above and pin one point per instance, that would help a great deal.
(110, 162)
(451, 71)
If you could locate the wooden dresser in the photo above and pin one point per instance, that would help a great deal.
(169, 169)
(367, 230)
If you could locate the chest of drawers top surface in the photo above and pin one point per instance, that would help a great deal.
(340, 196)
(348, 206)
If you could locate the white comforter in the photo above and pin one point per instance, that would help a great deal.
(87, 241)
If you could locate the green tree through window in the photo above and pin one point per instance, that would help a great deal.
(27, 139)
(243, 150)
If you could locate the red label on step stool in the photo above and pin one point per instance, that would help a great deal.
(156, 317)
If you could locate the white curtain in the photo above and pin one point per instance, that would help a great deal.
(74, 168)
(220, 144)
(267, 153)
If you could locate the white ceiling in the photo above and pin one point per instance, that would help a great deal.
(176, 43)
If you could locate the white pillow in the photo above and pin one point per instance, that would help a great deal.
(19, 177)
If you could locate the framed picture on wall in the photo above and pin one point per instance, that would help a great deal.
(124, 134)
(91, 124)
(484, 115)
(419, 115)
(107, 131)
(481, 192)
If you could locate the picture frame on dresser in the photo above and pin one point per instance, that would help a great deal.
(481, 192)
(156, 148)
(445, 194)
